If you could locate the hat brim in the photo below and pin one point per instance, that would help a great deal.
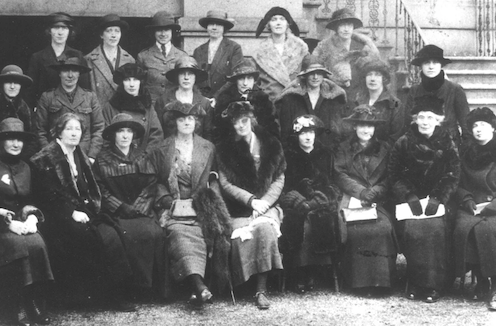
(80, 68)
(308, 71)
(137, 128)
(357, 23)
(418, 61)
(119, 23)
(233, 78)
(201, 75)
(22, 135)
(24, 80)
(207, 20)
(171, 26)
(365, 122)
(318, 130)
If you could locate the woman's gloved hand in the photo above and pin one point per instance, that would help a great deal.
(414, 203)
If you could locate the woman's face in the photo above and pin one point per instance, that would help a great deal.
(215, 31)
(69, 77)
(315, 79)
(306, 139)
(483, 132)
(71, 134)
(11, 89)
(242, 126)
(13, 146)
(278, 25)
(373, 81)
(431, 68)
(186, 79)
(111, 36)
(426, 121)
(124, 138)
(163, 36)
(131, 85)
(59, 34)
(365, 132)
(245, 83)
(345, 30)
(186, 125)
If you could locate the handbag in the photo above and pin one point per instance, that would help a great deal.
(182, 208)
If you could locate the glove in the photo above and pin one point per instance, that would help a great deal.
(126, 211)
(367, 195)
(432, 206)
(318, 200)
(469, 206)
(291, 200)
(414, 203)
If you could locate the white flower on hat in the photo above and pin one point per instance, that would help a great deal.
(303, 122)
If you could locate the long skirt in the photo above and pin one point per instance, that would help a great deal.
(186, 247)
(256, 255)
(369, 257)
(425, 249)
(475, 243)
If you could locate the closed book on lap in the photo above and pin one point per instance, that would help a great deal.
(355, 212)
(403, 211)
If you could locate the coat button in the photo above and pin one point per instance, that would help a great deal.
(489, 198)
(144, 119)
(162, 73)
(163, 85)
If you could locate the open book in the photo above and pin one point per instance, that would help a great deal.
(403, 211)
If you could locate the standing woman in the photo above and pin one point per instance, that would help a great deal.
(279, 56)
(369, 256)
(185, 77)
(425, 163)
(107, 57)
(251, 173)
(60, 28)
(133, 98)
(162, 55)
(24, 263)
(128, 183)
(219, 55)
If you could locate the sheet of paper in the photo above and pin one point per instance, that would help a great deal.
(354, 203)
(480, 207)
(403, 211)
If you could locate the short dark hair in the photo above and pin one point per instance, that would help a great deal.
(62, 122)
(171, 125)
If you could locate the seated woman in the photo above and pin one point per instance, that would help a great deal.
(128, 183)
(195, 218)
(369, 257)
(423, 164)
(251, 173)
(86, 251)
(310, 232)
(475, 229)
(24, 266)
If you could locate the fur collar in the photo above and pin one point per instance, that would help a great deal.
(429, 149)
(372, 149)
(123, 101)
(478, 156)
(328, 90)
(385, 97)
(282, 68)
(432, 84)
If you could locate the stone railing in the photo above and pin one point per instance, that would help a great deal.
(486, 28)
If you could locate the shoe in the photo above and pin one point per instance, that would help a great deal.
(432, 296)
(299, 288)
(482, 290)
(206, 296)
(262, 302)
(119, 304)
(491, 304)
(35, 313)
(412, 293)
(310, 284)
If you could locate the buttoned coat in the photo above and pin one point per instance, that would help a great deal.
(156, 65)
(101, 76)
(54, 103)
(227, 56)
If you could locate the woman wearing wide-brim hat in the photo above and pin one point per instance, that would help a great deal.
(279, 56)
(185, 77)
(313, 92)
(60, 29)
(218, 55)
(12, 105)
(344, 49)
(162, 55)
(107, 57)
(430, 59)
(361, 173)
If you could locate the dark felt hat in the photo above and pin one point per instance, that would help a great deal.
(364, 114)
(341, 16)
(186, 63)
(61, 18)
(311, 64)
(123, 120)
(13, 128)
(128, 70)
(307, 122)
(177, 109)
(13, 73)
(481, 114)
(112, 20)
(311, 43)
(376, 65)
(163, 19)
(236, 109)
(428, 103)
(217, 17)
(73, 60)
(430, 52)
(245, 67)
(273, 12)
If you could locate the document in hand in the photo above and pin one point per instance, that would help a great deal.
(480, 207)
(403, 211)
(355, 211)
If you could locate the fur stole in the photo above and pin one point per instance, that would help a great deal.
(372, 149)
(477, 156)
(428, 149)
(328, 90)
(390, 101)
(123, 101)
(282, 68)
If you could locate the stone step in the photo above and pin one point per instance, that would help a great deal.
(479, 90)
(480, 102)
(465, 76)
(472, 63)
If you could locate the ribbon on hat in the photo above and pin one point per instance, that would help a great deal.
(303, 122)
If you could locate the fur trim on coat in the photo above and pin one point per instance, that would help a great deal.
(328, 90)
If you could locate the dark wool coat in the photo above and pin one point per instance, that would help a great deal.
(388, 108)
(153, 61)
(455, 107)
(140, 108)
(330, 108)
(101, 75)
(263, 109)
(46, 78)
(205, 130)
(227, 56)
(477, 183)
(54, 103)
(237, 165)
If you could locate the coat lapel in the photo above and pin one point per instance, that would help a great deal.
(199, 160)
(100, 63)
(219, 60)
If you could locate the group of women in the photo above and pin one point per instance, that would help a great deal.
(145, 172)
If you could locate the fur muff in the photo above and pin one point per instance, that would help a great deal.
(123, 101)
(213, 216)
